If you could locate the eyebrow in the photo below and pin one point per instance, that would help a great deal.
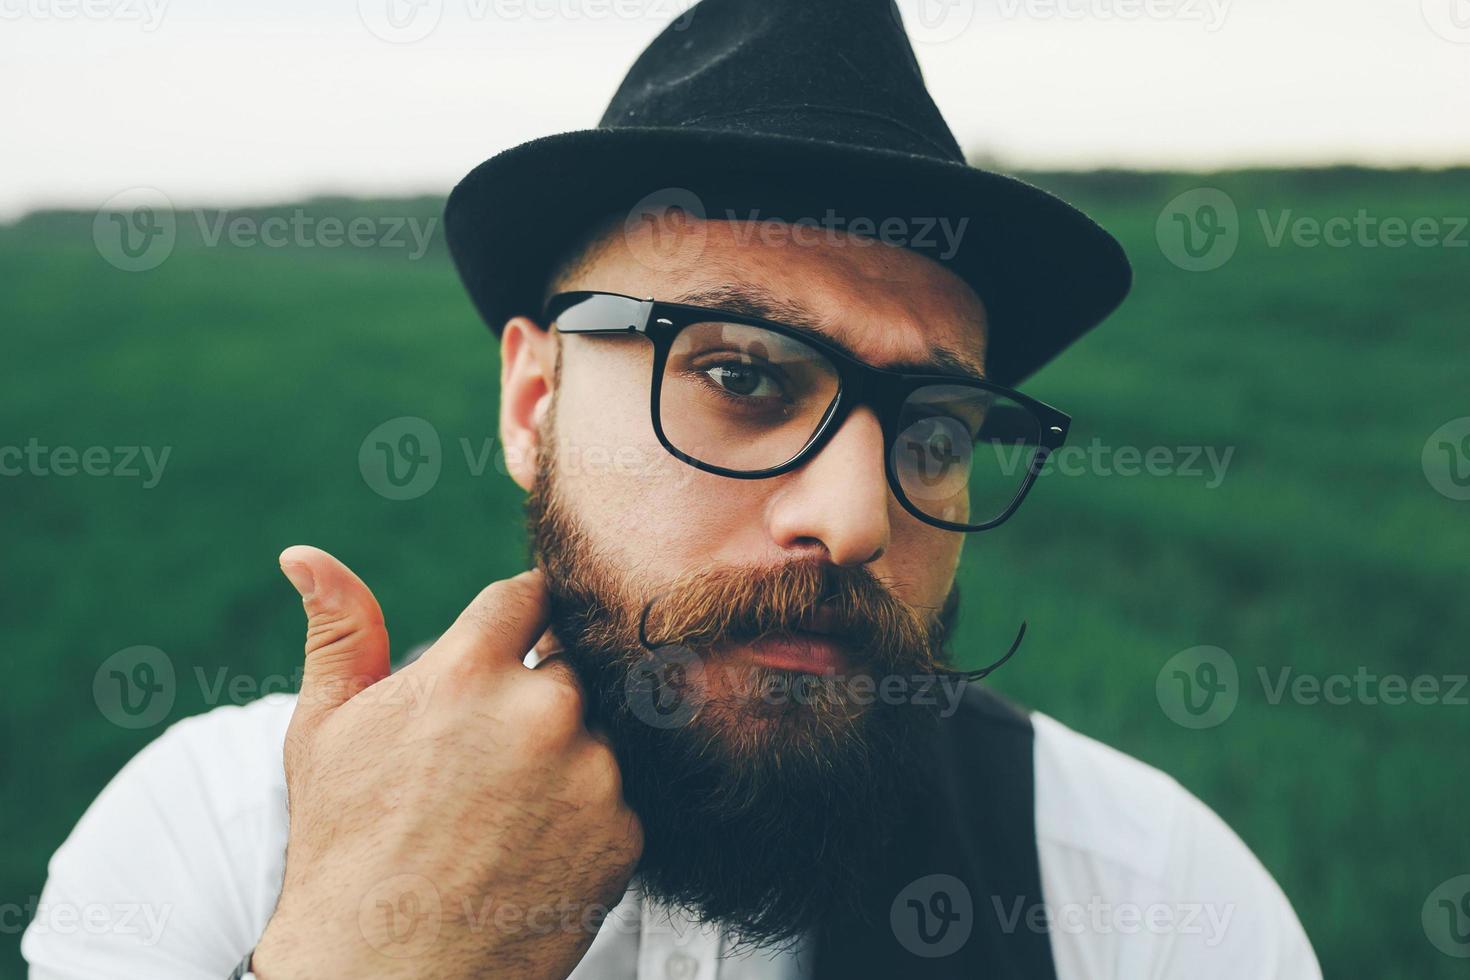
(751, 300)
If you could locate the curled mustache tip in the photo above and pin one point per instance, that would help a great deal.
(984, 672)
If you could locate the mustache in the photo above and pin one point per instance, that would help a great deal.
(744, 603)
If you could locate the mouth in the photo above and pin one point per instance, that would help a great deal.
(816, 646)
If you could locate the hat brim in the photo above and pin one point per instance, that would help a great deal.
(1045, 271)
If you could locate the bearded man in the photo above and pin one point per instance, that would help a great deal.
(760, 333)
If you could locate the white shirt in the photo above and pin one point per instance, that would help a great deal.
(174, 870)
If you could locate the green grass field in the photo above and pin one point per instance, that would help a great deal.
(1324, 548)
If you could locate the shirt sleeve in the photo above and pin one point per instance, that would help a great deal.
(173, 871)
(1142, 881)
(1244, 925)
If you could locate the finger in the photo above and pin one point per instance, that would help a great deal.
(558, 672)
(346, 641)
(499, 627)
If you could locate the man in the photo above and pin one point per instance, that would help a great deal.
(753, 451)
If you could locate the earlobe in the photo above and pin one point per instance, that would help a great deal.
(527, 359)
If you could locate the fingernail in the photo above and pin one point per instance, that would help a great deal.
(301, 578)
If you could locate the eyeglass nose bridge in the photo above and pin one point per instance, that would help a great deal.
(857, 387)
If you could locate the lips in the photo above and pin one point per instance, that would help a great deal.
(806, 652)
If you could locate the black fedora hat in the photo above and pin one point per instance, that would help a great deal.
(803, 110)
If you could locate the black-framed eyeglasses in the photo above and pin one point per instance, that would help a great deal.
(751, 398)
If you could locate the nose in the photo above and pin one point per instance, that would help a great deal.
(839, 498)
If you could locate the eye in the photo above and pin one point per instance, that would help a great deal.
(743, 380)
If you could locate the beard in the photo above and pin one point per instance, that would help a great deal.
(767, 796)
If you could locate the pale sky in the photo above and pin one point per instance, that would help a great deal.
(236, 101)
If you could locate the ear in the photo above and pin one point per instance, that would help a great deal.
(527, 369)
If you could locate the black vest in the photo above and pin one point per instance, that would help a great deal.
(960, 894)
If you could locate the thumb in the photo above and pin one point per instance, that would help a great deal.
(346, 641)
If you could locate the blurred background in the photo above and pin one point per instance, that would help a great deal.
(223, 282)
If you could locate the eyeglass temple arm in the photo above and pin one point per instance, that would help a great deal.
(614, 314)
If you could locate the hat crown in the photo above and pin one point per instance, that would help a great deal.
(840, 70)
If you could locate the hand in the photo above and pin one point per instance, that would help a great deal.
(453, 820)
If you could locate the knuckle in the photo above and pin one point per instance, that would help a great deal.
(561, 701)
(331, 628)
(626, 838)
(500, 606)
(461, 668)
(606, 773)
(552, 708)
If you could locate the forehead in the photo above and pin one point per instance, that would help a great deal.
(887, 304)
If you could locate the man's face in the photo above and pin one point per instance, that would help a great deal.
(657, 517)
(630, 536)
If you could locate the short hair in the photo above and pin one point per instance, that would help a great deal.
(580, 252)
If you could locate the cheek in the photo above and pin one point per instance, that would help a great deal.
(922, 559)
(639, 503)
